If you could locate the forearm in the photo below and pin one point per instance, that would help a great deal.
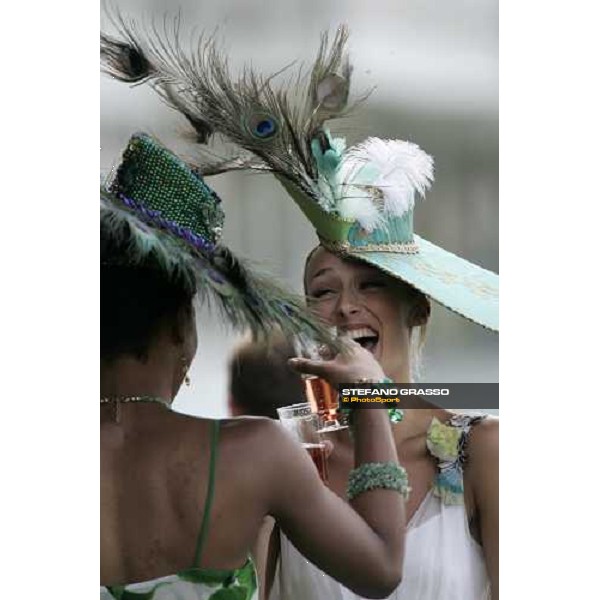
(373, 439)
(363, 545)
(382, 509)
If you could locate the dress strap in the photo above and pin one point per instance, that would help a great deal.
(214, 446)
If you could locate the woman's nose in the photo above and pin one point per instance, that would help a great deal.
(348, 304)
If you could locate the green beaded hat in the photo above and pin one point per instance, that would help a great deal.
(171, 212)
(359, 200)
(165, 191)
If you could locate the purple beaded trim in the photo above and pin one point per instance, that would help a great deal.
(155, 217)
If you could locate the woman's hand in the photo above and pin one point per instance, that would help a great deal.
(349, 366)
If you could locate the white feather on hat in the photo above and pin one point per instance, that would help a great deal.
(396, 170)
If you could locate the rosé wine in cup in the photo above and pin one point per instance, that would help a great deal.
(305, 425)
(322, 397)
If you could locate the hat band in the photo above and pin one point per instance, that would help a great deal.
(395, 247)
(155, 218)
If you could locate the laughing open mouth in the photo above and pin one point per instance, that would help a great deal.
(365, 336)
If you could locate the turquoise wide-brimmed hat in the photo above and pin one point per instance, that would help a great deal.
(366, 212)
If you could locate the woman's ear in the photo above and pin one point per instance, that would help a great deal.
(181, 324)
(420, 312)
(178, 328)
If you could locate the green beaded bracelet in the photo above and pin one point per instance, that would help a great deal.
(371, 476)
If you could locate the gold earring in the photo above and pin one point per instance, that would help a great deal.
(185, 367)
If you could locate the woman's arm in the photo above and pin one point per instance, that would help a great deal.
(482, 472)
(360, 544)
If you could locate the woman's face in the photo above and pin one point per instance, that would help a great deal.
(366, 304)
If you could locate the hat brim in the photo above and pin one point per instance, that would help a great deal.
(457, 284)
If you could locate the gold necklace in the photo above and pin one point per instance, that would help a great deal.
(123, 399)
(118, 400)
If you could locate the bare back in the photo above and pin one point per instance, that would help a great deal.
(154, 484)
(155, 481)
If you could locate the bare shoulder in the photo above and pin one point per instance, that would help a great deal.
(247, 437)
(256, 439)
(481, 471)
(484, 440)
(235, 426)
(255, 431)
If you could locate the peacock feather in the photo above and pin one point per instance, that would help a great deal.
(274, 127)
(277, 129)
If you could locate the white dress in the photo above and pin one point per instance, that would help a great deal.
(442, 560)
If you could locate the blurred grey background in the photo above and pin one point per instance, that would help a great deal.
(435, 68)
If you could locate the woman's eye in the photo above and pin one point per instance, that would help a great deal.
(322, 293)
(366, 285)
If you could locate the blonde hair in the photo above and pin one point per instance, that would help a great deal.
(418, 335)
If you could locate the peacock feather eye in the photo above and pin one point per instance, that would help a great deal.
(262, 126)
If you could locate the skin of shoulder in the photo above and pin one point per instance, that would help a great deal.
(259, 451)
(255, 437)
(482, 476)
(260, 441)
(483, 455)
(251, 447)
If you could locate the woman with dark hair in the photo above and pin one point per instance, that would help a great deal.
(183, 498)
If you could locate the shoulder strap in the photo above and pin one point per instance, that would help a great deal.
(214, 446)
(464, 423)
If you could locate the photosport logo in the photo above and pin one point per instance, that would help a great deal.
(465, 396)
